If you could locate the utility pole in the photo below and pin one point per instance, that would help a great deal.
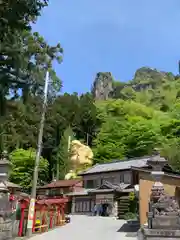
(38, 154)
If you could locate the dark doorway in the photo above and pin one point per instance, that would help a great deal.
(105, 208)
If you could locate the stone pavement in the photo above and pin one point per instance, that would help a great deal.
(87, 228)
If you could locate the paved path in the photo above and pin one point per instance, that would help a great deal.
(87, 228)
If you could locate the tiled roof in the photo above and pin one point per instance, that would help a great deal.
(63, 183)
(117, 165)
(12, 185)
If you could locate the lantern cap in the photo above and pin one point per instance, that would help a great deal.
(156, 159)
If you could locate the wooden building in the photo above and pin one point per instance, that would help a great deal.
(60, 187)
(106, 184)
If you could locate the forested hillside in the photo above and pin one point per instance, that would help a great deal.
(139, 115)
(116, 119)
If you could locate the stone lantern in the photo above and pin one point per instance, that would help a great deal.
(157, 163)
(5, 206)
(164, 213)
(4, 170)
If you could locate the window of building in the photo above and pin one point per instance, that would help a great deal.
(127, 177)
(90, 184)
(121, 177)
(55, 192)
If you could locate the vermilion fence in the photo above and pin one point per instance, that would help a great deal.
(49, 213)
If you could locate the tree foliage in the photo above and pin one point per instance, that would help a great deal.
(63, 164)
(23, 162)
(145, 115)
(128, 131)
(117, 119)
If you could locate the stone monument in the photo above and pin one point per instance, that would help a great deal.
(5, 206)
(164, 212)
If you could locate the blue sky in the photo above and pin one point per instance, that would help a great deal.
(117, 36)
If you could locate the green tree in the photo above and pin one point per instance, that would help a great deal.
(109, 144)
(23, 166)
(128, 129)
(142, 138)
(24, 57)
(170, 150)
(62, 157)
(86, 121)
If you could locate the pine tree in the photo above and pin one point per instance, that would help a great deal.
(63, 164)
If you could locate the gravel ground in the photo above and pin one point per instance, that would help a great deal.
(88, 228)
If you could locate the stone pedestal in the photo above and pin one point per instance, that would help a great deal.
(158, 234)
(5, 229)
(166, 222)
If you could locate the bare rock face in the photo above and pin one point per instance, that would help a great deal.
(80, 154)
(102, 86)
(81, 157)
(147, 77)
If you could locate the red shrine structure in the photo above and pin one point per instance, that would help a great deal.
(49, 210)
(50, 213)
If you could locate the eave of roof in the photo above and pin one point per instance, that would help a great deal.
(116, 166)
(12, 185)
(120, 165)
(52, 201)
(84, 192)
(117, 170)
(174, 175)
(101, 191)
(61, 184)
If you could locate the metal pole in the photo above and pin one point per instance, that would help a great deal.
(38, 154)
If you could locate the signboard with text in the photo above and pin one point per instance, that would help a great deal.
(104, 198)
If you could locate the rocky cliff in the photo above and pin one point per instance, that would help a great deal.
(102, 86)
(105, 87)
